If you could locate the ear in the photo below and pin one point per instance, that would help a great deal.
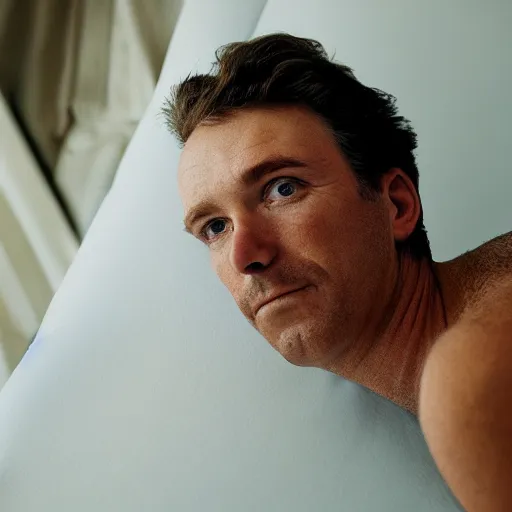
(403, 202)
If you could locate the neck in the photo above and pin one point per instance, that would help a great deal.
(389, 358)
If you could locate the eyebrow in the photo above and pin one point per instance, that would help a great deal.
(249, 177)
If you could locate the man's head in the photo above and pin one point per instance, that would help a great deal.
(298, 177)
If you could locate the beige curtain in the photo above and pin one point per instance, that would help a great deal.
(79, 74)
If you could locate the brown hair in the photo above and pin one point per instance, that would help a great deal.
(283, 69)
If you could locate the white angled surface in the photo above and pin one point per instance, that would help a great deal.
(147, 390)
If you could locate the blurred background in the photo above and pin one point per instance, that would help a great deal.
(75, 79)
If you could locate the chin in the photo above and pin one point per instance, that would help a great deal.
(301, 348)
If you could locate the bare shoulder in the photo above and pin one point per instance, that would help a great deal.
(489, 261)
(465, 401)
(466, 278)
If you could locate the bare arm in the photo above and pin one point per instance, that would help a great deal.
(465, 406)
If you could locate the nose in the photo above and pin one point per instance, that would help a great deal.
(253, 247)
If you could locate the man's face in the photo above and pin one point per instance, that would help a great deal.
(282, 212)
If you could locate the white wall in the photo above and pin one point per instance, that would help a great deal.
(449, 65)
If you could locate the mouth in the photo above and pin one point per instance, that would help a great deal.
(282, 295)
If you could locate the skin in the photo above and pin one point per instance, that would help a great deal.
(358, 307)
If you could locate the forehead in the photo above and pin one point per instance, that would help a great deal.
(216, 155)
(243, 138)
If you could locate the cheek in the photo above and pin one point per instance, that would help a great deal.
(342, 236)
(325, 229)
(221, 268)
(220, 265)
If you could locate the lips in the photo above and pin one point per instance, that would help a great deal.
(277, 296)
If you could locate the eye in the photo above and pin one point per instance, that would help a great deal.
(213, 229)
(283, 187)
